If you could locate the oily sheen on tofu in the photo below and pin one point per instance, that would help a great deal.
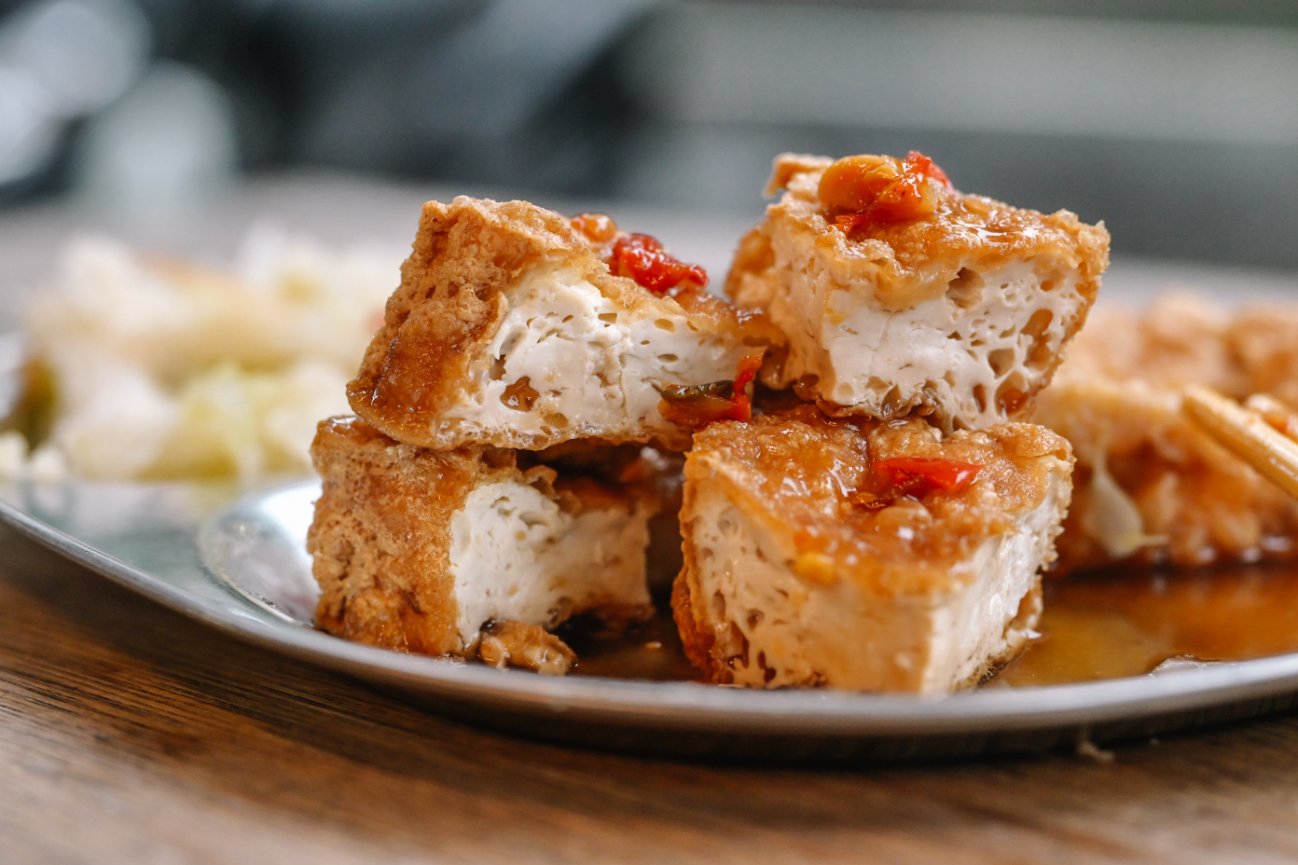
(418, 550)
(797, 574)
(961, 313)
(509, 329)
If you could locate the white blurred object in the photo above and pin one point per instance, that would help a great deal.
(59, 60)
(28, 132)
(83, 53)
(171, 138)
(163, 369)
(13, 454)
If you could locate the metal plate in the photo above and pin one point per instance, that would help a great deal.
(257, 586)
(147, 538)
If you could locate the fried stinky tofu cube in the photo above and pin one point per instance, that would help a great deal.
(896, 294)
(1151, 487)
(516, 327)
(465, 553)
(881, 556)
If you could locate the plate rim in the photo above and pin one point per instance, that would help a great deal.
(681, 706)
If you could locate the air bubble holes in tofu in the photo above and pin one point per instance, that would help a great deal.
(516, 555)
(590, 364)
(974, 353)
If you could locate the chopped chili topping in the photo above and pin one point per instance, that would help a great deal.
(918, 163)
(695, 406)
(851, 222)
(598, 228)
(642, 258)
(920, 476)
(865, 190)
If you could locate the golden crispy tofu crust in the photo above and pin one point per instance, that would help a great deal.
(381, 540)
(378, 585)
(990, 294)
(905, 263)
(803, 475)
(454, 294)
(807, 481)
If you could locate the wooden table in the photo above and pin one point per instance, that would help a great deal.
(129, 734)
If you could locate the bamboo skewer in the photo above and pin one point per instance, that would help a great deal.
(1246, 433)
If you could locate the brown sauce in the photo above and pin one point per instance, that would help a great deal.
(1126, 623)
(651, 651)
(1098, 626)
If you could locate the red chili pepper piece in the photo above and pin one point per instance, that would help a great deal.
(747, 371)
(642, 258)
(909, 196)
(850, 222)
(696, 406)
(919, 476)
(597, 227)
(918, 163)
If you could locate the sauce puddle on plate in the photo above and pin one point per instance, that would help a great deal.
(1103, 625)
(1127, 622)
(650, 651)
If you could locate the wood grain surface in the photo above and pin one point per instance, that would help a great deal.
(130, 734)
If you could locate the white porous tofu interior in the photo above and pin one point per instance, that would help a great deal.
(844, 636)
(593, 365)
(516, 555)
(957, 350)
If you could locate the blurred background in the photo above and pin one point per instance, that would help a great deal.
(1175, 121)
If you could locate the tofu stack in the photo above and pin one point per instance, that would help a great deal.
(493, 484)
(889, 534)
(862, 507)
